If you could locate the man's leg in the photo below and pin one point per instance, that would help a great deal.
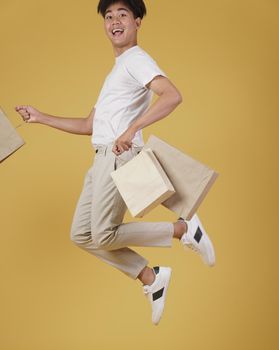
(98, 224)
(124, 259)
(108, 232)
(99, 215)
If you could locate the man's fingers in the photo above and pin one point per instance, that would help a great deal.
(120, 147)
(24, 114)
(115, 149)
(23, 111)
(21, 107)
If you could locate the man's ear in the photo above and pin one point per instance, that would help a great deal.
(138, 22)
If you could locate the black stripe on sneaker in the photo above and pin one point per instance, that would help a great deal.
(158, 294)
(156, 269)
(198, 235)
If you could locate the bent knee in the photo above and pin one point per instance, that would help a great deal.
(80, 237)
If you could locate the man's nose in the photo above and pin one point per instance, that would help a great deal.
(115, 20)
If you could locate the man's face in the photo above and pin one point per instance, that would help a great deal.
(120, 25)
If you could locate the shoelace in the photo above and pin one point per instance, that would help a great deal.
(190, 245)
(194, 248)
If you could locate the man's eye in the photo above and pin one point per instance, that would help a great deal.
(108, 17)
(122, 14)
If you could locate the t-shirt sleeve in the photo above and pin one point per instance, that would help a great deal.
(143, 68)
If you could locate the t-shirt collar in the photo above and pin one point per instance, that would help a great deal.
(125, 53)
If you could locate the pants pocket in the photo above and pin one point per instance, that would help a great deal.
(124, 157)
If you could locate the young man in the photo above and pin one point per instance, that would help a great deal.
(115, 123)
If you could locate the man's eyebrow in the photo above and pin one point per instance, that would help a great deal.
(120, 8)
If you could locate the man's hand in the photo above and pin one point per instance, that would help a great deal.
(124, 142)
(29, 114)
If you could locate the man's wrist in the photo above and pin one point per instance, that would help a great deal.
(134, 128)
(42, 118)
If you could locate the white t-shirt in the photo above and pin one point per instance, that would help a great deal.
(124, 96)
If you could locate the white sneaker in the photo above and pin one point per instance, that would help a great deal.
(196, 239)
(156, 292)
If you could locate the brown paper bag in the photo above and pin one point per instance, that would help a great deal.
(10, 140)
(142, 183)
(191, 179)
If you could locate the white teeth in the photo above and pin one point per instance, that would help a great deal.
(117, 30)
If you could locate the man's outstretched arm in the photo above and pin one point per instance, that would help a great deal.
(80, 126)
(169, 99)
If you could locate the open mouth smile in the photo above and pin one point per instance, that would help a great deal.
(117, 31)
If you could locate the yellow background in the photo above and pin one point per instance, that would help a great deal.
(223, 57)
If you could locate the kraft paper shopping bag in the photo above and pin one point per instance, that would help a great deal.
(190, 178)
(10, 141)
(142, 183)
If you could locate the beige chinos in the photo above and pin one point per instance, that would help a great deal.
(98, 220)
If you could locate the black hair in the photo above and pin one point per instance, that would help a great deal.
(136, 6)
